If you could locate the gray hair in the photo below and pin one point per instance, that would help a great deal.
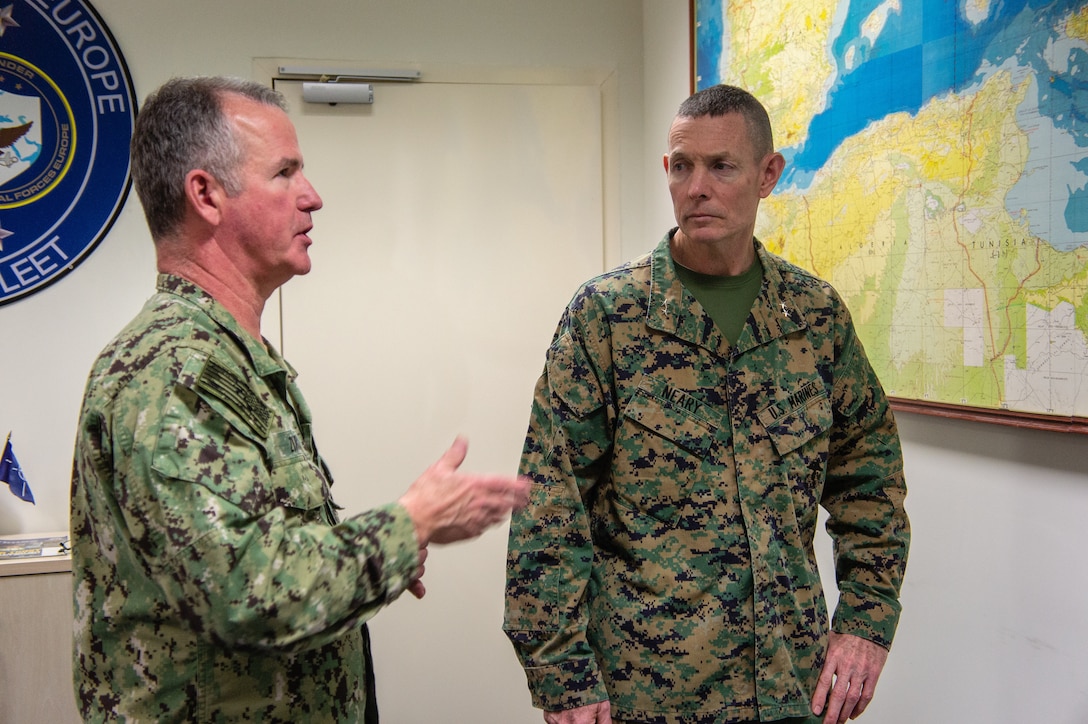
(719, 100)
(181, 127)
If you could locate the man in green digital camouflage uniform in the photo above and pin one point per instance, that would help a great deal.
(213, 581)
(696, 407)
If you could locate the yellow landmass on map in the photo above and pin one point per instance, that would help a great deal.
(778, 51)
(1077, 27)
(908, 221)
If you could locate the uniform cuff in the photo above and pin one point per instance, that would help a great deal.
(874, 621)
(392, 529)
(565, 685)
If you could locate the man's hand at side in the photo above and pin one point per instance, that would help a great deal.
(599, 713)
(850, 674)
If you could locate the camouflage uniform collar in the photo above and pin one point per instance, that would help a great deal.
(266, 360)
(673, 311)
(774, 312)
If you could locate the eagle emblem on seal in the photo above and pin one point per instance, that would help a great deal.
(8, 137)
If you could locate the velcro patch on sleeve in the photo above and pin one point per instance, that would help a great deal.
(231, 390)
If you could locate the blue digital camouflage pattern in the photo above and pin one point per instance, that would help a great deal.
(665, 560)
(212, 583)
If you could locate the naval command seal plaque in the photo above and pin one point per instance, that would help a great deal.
(66, 118)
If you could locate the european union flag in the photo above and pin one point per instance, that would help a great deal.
(12, 474)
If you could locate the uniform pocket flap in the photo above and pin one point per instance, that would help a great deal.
(210, 434)
(671, 420)
(797, 418)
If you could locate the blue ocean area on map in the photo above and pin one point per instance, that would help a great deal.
(927, 50)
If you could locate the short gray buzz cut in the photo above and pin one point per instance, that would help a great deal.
(181, 127)
(719, 100)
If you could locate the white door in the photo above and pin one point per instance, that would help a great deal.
(458, 221)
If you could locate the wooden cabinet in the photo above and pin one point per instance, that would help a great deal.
(36, 641)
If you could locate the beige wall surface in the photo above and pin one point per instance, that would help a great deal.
(457, 223)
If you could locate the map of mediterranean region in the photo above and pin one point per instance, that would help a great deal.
(937, 176)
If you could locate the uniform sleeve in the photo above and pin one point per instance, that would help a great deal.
(864, 495)
(233, 526)
(550, 554)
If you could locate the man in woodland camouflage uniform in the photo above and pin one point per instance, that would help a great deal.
(696, 407)
(213, 581)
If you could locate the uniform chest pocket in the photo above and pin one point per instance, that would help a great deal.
(297, 481)
(204, 441)
(201, 441)
(795, 420)
(671, 421)
(659, 454)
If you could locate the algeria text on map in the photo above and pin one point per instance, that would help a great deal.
(937, 176)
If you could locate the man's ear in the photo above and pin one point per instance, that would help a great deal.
(773, 165)
(205, 195)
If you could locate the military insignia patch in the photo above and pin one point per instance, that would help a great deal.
(220, 382)
(66, 116)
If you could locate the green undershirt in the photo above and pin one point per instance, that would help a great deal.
(727, 299)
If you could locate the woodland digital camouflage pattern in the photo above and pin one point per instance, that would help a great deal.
(665, 561)
(210, 583)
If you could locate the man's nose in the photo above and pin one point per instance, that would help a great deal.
(310, 200)
(698, 185)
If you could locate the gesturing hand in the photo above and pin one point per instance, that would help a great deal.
(448, 506)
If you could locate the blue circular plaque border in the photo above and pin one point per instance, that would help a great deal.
(67, 110)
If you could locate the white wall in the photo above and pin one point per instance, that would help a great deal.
(995, 621)
(443, 310)
(665, 60)
(994, 626)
